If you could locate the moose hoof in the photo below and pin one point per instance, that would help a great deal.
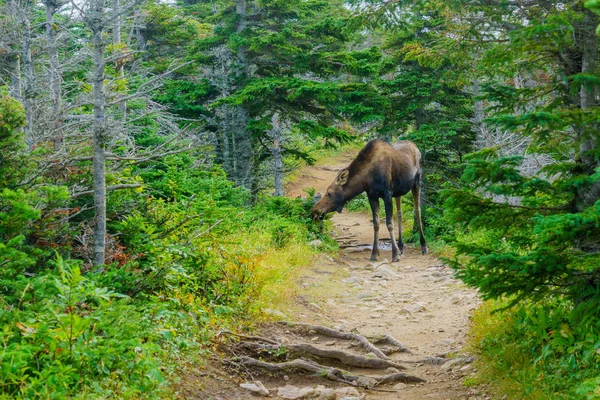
(424, 250)
(396, 259)
(373, 258)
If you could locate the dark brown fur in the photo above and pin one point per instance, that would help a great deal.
(382, 171)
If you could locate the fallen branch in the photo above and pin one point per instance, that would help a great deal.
(323, 330)
(304, 350)
(330, 373)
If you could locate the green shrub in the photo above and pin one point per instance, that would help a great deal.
(540, 349)
(69, 337)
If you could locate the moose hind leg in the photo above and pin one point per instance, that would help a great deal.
(416, 191)
(374, 202)
(389, 215)
(399, 211)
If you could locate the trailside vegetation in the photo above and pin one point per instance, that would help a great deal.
(144, 149)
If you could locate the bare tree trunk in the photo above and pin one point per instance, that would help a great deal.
(243, 157)
(99, 135)
(28, 90)
(277, 157)
(54, 72)
(139, 35)
(15, 89)
(120, 62)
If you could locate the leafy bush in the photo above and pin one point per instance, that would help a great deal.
(69, 337)
(539, 349)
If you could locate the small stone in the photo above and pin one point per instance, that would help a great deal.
(314, 305)
(365, 295)
(324, 393)
(347, 391)
(352, 279)
(315, 243)
(314, 339)
(256, 388)
(413, 309)
(400, 386)
(292, 392)
(366, 382)
(441, 330)
(330, 343)
(384, 271)
(286, 378)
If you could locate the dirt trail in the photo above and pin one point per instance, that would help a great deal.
(416, 300)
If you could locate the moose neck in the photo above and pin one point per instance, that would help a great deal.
(352, 189)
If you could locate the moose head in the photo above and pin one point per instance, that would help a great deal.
(334, 199)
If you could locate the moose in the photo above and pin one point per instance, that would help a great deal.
(382, 171)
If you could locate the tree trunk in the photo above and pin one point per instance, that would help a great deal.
(120, 62)
(277, 157)
(54, 73)
(242, 153)
(99, 135)
(15, 89)
(139, 35)
(28, 81)
(419, 117)
(589, 134)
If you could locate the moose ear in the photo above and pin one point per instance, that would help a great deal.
(342, 178)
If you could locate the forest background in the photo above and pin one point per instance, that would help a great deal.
(144, 148)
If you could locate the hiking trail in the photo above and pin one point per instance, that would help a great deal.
(416, 301)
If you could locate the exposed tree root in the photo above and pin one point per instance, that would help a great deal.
(323, 330)
(310, 351)
(391, 341)
(334, 374)
(257, 338)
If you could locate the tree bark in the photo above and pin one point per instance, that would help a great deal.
(120, 62)
(242, 150)
(139, 34)
(54, 72)
(28, 89)
(589, 134)
(96, 21)
(276, 134)
(15, 88)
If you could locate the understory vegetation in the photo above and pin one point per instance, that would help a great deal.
(191, 258)
(144, 148)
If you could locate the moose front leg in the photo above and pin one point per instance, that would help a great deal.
(389, 215)
(374, 202)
